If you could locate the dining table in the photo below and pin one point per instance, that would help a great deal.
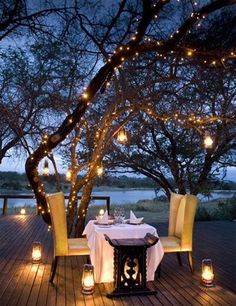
(101, 252)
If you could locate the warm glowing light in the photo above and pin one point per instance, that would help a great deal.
(122, 136)
(208, 141)
(46, 170)
(68, 174)
(207, 273)
(23, 211)
(190, 53)
(101, 212)
(99, 170)
(85, 95)
(36, 252)
(88, 279)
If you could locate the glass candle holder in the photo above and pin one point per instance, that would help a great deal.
(101, 213)
(207, 273)
(36, 252)
(88, 283)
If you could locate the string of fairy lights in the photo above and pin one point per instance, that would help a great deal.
(117, 59)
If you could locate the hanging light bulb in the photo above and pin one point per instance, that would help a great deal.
(69, 174)
(208, 141)
(99, 170)
(46, 171)
(122, 136)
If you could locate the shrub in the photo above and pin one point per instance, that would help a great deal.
(203, 215)
(225, 210)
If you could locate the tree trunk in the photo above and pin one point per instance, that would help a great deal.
(83, 208)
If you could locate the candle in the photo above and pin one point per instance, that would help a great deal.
(101, 213)
(88, 279)
(207, 273)
(36, 252)
(22, 211)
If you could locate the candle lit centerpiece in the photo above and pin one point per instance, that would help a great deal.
(207, 273)
(101, 213)
(88, 279)
(36, 252)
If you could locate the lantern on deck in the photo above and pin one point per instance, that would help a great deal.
(36, 252)
(22, 211)
(122, 136)
(46, 171)
(207, 273)
(88, 279)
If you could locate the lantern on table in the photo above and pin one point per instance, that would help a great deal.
(88, 279)
(101, 213)
(207, 273)
(36, 252)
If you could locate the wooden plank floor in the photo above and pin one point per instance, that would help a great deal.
(24, 283)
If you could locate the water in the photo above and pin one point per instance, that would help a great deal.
(119, 197)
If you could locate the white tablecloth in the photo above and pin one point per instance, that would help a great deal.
(102, 253)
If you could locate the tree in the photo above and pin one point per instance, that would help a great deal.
(88, 147)
(124, 30)
(22, 17)
(38, 87)
(184, 102)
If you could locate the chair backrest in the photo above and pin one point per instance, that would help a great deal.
(183, 209)
(56, 202)
(174, 206)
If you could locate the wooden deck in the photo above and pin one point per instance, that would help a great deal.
(24, 283)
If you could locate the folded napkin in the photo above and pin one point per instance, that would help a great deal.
(103, 219)
(133, 219)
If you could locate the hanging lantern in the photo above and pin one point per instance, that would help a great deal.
(46, 171)
(99, 170)
(122, 136)
(208, 141)
(88, 279)
(207, 273)
(36, 252)
(22, 211)
(69, 174)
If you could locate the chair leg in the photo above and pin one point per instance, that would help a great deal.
(88, 259)
(53, 268)
(159, 271)
(190, 261)
(179, 258)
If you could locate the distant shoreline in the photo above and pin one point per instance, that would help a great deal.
(103, 188)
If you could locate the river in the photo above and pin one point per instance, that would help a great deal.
(119, 197)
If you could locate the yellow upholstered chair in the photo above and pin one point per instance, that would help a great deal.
(63, 246)
(180, 231)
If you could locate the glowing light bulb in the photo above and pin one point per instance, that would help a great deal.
(190, 53)
(68, 174)
(85, 95)
(99, 170)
